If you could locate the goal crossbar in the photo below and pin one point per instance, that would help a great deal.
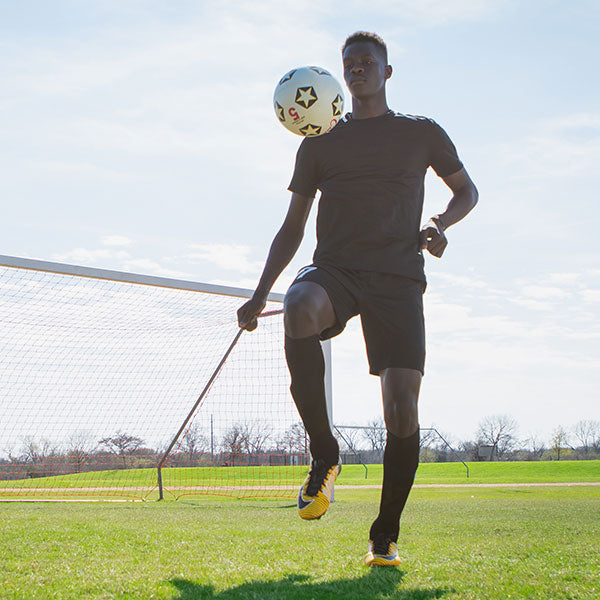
(127, 277)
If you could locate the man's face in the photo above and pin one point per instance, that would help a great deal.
(365, 70)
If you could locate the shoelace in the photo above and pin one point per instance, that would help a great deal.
(318, 472)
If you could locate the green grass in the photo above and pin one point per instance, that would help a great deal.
(171, 476)
(428, 473)
(510, 472)
(457, 543)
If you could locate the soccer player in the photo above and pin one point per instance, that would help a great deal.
(370, 169)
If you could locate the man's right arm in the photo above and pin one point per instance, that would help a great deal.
(283, 249)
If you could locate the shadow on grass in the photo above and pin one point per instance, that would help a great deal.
(378, 583)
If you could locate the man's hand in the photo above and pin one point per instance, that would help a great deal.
(432, 237)
(248, 313)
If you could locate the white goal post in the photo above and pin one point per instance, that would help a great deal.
(101, 368)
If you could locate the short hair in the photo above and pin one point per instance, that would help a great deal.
(366, 36)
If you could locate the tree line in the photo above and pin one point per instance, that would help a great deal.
(242, 444)
(496, 438)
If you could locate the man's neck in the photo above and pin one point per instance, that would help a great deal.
(369, 108)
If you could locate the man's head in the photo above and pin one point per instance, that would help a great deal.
(366, 70)
(366, 36)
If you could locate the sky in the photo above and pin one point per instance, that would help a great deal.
(140, 136)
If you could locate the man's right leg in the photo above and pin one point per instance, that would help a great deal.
(307, 312)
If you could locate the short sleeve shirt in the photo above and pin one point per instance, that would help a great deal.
(371, 176)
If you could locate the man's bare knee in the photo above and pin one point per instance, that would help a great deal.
(307, 310)
(402, 417)
(400, 389)
(299, 319)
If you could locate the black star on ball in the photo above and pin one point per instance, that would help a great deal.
(280, 112)
(287, 77)
(337, 106)
(310, 129)
(306, 96)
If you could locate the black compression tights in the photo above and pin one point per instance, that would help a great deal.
(307, 369)
(400, 462)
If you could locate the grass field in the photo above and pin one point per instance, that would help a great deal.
(427, 474)
(485, 472)
(456, 543)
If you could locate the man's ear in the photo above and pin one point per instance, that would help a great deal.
(387, 71)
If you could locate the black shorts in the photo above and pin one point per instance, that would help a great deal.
(390, 308)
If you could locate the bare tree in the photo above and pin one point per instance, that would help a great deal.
(436, 445)
(256, 436)
(193, 441)
(11, 457)
(470, 450)
(79, 448)
(376, 434)
(536, 445)
(350, 439)
(122, 444)
(34, 451)
(12, 465)
(587, 433)
(36, 455)
(499, 432)
(234, 440)
(428, 438)
(560, 439)
(295, 440)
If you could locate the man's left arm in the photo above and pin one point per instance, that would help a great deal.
(465, 196)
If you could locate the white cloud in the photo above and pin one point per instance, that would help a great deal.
(231, 257)
(115, 240)
(152, 267)
(586, 123)
(560, 147)
(180, 52)
(117, 259)
(245, 283)
(545, 292)
(531, 325)
(460, 280)
(442, 12)
(590, 295)
(280, 286)
(141, 138)
(467, 282)
(87, 257)
(76, 169)
(562, 278)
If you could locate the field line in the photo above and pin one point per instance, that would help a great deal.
(61, 500)
(198, 488)
(499, 485)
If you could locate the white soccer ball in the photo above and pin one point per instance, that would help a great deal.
(308, 101)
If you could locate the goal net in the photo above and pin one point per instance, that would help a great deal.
(101, 371)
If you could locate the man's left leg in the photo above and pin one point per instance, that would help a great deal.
(400, 389)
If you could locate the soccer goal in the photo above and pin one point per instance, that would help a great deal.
(124, 386)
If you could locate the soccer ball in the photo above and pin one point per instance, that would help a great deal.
(308, 101)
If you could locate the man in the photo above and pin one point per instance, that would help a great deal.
(370, 170)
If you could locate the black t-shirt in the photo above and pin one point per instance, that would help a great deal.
(371, 176)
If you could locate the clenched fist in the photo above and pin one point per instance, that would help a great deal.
(432, 237)
(247, 313)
